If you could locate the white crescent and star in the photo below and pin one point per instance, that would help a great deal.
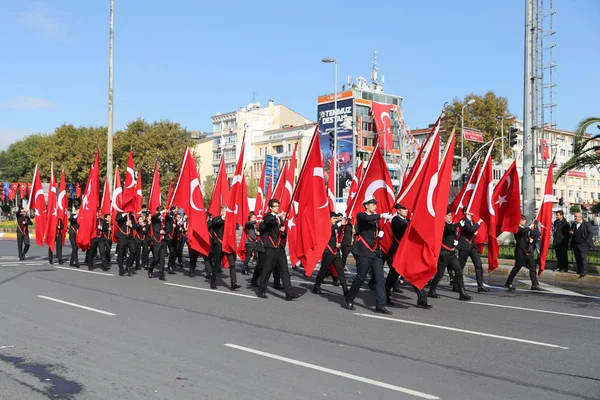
(117, 192)
(378, 184)
(133, 182)
(193, 185)
(490, 193)
(432, 185)
(318, 171)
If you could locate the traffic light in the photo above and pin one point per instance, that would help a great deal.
(512, 136)
(560, 201)
(331, 139)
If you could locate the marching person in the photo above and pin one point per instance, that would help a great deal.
(172, 230)
(524, 248)
(251, 237)
(182, 239)
(331, 255)
(159, 244)
(562, 235)
(108, 238)
(208, 263)
(58, 244)
(368, 255)
(347, 239)
(73, 228)
(218, 226)
(23, 222)
(126, 245)
(99, 242)
(273, 238)
(581, 242)
(141, 244)
(400, 223)
(259, 247)
(447, 259)
(467, 248)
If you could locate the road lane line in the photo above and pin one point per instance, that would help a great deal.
(78, 306)
(323, 284)
(534, 310)
(211, 290)
(554, 289)
(334, 372)
(83, 270)
(447, 328)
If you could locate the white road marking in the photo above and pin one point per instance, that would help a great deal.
(78, 306)
(472, 282)
(211, 290)
(84, 270)
(323, 284)
(534, 310)
(554, 289)
(463, 331)
(334, 372)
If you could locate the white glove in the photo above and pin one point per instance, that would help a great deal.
(380, 234)
(455, 243)
(462, 223)
(385, 215)
(480, 221)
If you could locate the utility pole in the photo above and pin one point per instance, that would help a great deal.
(109, 147)
(528, 111)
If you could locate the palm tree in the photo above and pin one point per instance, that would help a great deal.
(583, 156)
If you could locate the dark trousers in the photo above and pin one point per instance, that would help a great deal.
(448, 260)
(141, 253)
(336, 260)
(363, 266)
(58, 249)
(250, 248)
(74, 250)
(219, 254)
(463, 256)
(580, 251)
(345, 251)
(97, 244)
(22, 245)
(173, 247)
(108, 248)
(562, 257)
(208, 264)
(158, 256)
(523, 260)
(275, 260)
(260, 260)
(180, 245)
(126, 248)
(193, 260)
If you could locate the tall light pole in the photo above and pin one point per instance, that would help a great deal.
(334, 61)
(462, 136)
(109, 147)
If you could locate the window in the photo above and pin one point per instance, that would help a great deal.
(216, 126)
(216, 155)
(216, 142)
(362, 111)
(570, 181)
(570, 194)
(585, 182)
(578, 182)
(554, 192)
(278, 149)
(229, 154)
(260, 151)
(215, 170)
(289, 148)
(230, 139)
(497, 174)
(538, 191)
(562, 179)
(230, 169)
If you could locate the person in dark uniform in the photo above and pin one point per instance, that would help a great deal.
(467, 248)
(399, 224)
(98, 243)
(218, 226)
(23, 222)
(581, 242)
(182, 239)
(273, 238)
(159, 244)
(347, 242)
(562, 235)
(57, 244)
(172, 230)
(108, 238)
(141, 244)
(73, 228)
(208, 263)
(332, 255)
(251, 237)
(447, 259)
(367, 253)
(126, 225)
(524, 248)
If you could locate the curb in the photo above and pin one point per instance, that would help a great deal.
(548, 276)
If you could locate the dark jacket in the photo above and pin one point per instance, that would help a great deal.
(23, 221)
(158, 224)
(347, 234)
(250, 229)
(367, 230)
(560, 231)
(399, 226)
(271, 236)
(467, 234)
(125, 231)
(218, 227)
(582, 236)
(522, 243)
(73, 226)
(449, 236)
(331, 247)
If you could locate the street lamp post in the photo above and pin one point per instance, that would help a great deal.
(335, 180)
(462, 136)
(109, 145)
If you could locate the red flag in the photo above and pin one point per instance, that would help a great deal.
(77, 190)
(544, 218)
(464, 196)
(260, 198)
(354, 187)
(383, 123)
(188, 196)
(105, 204)
(416, 257)
(138, 195)
(170, 192)
(269, 195)
(280, 186)
(154, 199)
(22, 189)
(237, 209)
(220, 192)
(312, 211)
(39, 203)
(50, 235)
(63, 203)
(241, 249)
(481, 206)
(331, 185)
(117, 203)
(89, 206)
(286, 197)
(130, 189)
(507, 201)
(12, 191)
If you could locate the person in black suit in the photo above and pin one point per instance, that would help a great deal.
(218, 226)
(331, 255)
(447, 259)
(399, 225)
(141, 244)
(251, 238)
(368, 255)
(562, 235)
(73, 228)
(524, 248)
(467, 248)
(126, 225)
(347, 240)
(98, 243)
(159, 244)
(581, 242)
(23, 222)
(57, 243)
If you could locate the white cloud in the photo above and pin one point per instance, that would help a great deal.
(50, 28)
(26, 103)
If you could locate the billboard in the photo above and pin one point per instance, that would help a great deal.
(345, 143)
(272, 170)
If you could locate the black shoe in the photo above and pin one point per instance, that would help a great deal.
(128, 272)
(90, 268)
(150, 274)
(433, 294)
(50, 262)
(350, 305)
(336, 282)
(61, 262)
(253, 283)
(235, 286)
(261, 294)
(510, 286)
(464, 296)
(208, 277)
(389, 302)
(290, 297)
(213, 285)
(383, 310)
(279, 286)
(103, 269)
(121, 273)
(482, 289)
(396, 290)
(580, 275)
(244, 272)
(170, 271)
(192, 274)
(161, 276)
(423, 304)
(145, 268)
(455, 289)
(317, 289)
(537, 288)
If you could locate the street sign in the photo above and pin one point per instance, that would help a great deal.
(473, 135)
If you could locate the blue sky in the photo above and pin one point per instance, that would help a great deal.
(186, 60)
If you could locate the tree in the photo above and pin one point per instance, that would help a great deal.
(595, 208)
(252, 185)
(480, 115)
(17, 162)
(575, 208)
(586, 154)
(207, 189)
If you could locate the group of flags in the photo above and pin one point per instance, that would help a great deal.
(9, 191)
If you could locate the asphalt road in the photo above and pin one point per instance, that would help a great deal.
(145, 339)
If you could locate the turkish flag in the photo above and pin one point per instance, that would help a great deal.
(77, 190)
(259, 205)
(237, 209)
(22, 189)
(105, 204)
(354, 187)
(286, 197)
(383, 124)
(39, 203)
(154, 199)
(220, 195)
(89, 206)
(331, 185)
(416, 257)
(138, 195)
(188, 196)
(63, 203)
(544, 218)
(464, 196)
(409, 177)
(130, 189)
(170, 193)
(50, 235)
(269, 195)
(241, 249)
(507, 201)
(280, 185)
